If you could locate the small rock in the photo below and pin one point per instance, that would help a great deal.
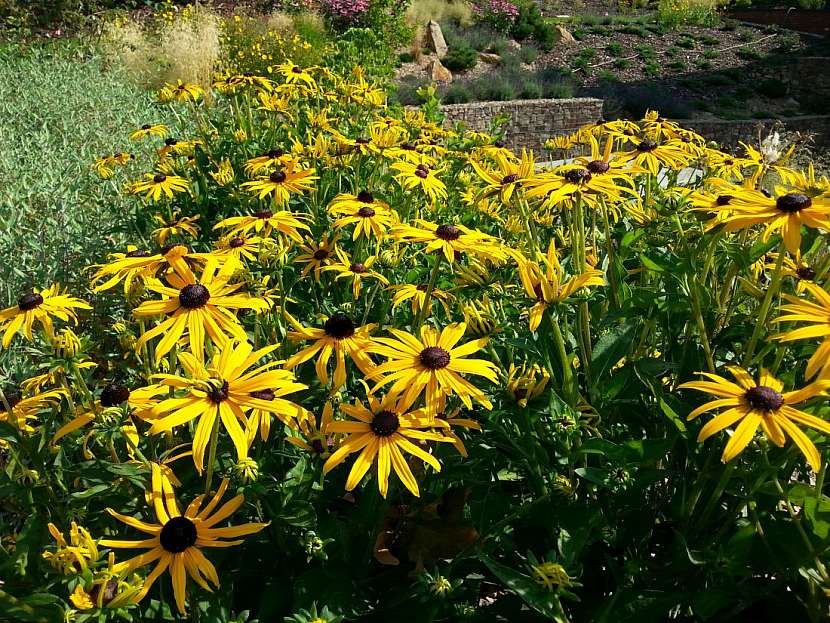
(565, 36)
(435, 39)
(513, 44)
(440, 73)
(487, 57)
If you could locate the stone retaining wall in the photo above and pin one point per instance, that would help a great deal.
(531, 122)
(728, 133)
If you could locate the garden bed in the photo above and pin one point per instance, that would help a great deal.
(804, 20)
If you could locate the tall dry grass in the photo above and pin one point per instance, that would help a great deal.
(422, 11)
(187, 47)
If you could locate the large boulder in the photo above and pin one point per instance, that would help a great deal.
(440, 73)
(564, 37)
(435, 39)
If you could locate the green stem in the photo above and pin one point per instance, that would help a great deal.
(214, 440)
(568, 386)
(761, 321)
(430, 287)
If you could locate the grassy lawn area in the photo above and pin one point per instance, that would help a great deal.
(62, 106)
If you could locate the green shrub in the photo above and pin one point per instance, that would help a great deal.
(632, 29)
(457, 94)
(711, 54)
(560, 90)
(687, 42)
(406, 57)
(651, 69)
(622, 63)
(749, 54)
(531, 90)
(645, 52)
(773, 88)
(528, 53)
(614, 49)
(498, 89)
(676, 13)
(703, 64)
(460, 58)
(606, 76)
(678, 65)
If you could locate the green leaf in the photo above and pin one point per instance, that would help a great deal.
(612, 347)
(533, 595)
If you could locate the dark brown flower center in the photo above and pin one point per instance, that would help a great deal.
(137, 253)
(647, 145)
(219, 394)
(366, 212)
(263, 394)
(723, 200)
(385, 423)
(193, 296)
(362, 141)
(805, 273)
(264, 214)
(114, 394)
(277, 177)
(158, 178)
(248, 74)
(170, 141)
(274, 152)
(578, 176)
(509, 179)
(317, 446)
(598, 166)
(110, 590)
(146, 126)
(235, 243)
(434, 357)
(296, 70)
(357, 267)
(448, 232)
(422, 171)
(422, 287)
(793, 202)
(339, 326)
(764, 398)
(408, 147)
(169, 247)
(28, 301)
(321, 254)
(178, 534)
(364, 196)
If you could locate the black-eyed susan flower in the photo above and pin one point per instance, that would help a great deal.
(340, 337)
(223, 174)
(381, 433)
(420, 176)
(315, 438)
(449, 240)
(282, 183)
(431, 366)
(295, 74)
(274, 158)
(818, 315)
(74, 556)
(751, 404)
(39, 307)
(784, 212)
(457, 418)
(526, 382)
(315, 256)
(107, 589)
(136, 265)
(178, 225)
(226, 389)
(176, 541)
(105, 166)
(149, 129)
(356, 271)
(203, 308)
(369, 215)
(265, 222)
(653, 156)
(416, 294)
(244, 247)
(180, 92)
(545, 282)
(155, 185)
(572, 181)
(508, 176)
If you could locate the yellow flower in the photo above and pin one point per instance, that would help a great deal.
(758, 404)
(509, 175)
(156, 184)
(226, 389)
(264, 221)
(39, 307)
(356, 271)
(180, 92)
(316, 256)
(149, 129)
(653, 156)
(546, 282)
(175, 543)
(380, 434)
(433, 366)
(450, 239)
(204, 308)
(551, 576)
(370, 216)
(339, 337)
(75, 556)
(417, 296)
(316, 439)
(178, 226)
(420, 176)
(283, 183)
(526, 382)
(818, 314)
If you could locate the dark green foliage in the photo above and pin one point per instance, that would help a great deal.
(622, 63)
(460, 58)
(528, 53)
(614, 49)
(773, 87)
(749, 54)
